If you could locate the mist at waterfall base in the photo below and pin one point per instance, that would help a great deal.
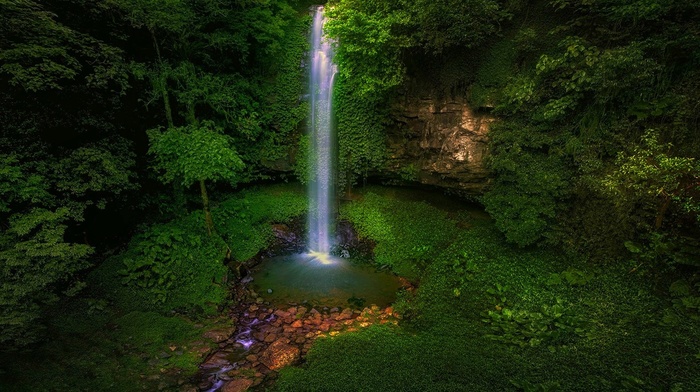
(317, 276)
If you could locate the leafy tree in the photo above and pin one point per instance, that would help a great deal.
(196, 153)
(40, 53)
(62, 155)
(373, 40)
(649, 177)
(608, 72)
(35, 259)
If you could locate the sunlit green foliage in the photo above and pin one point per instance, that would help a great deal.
(488, 316)
(235, 65)
(649, 177)
(244, 220)
(176, 266)
(408, 235)
(360, 127)
(194, 153)
(373, 39)
(570, 113)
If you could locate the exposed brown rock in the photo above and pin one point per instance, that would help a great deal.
(270, 338)
(440, 142)
(237, 385)
(219, 335)
(279, 354)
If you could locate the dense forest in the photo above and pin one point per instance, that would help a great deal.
(150, 147)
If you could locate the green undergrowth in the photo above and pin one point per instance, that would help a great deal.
(488, 316)
(408, 235)
(138, 324)
(99, 348)
(177, 266)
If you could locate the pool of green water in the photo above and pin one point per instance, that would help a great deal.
(323, 281)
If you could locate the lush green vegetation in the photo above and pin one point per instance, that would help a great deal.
(211, 92)
(595, 143)
(146, 308)
(134, 133)
(487, 316)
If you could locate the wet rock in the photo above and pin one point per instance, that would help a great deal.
(270, 338)
(218, 360)
(283, 232)
(279, 354)
(219, 335)
(444, 141)
(237, 385)
(344, 315)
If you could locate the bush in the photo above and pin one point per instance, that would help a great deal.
(408, 235)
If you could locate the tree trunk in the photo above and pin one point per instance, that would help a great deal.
(662, 211)
(162, 83)
(205, 201)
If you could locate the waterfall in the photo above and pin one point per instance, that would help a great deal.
(321, 138)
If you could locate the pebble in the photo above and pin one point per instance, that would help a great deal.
(296, 326)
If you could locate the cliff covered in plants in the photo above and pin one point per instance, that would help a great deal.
(592, 125)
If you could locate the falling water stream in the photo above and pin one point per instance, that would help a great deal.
(320, 134)
(214, 373)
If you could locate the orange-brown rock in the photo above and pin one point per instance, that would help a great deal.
(279, 354)
(237, 385)
(439, 141)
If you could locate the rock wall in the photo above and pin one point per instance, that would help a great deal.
(440, 142)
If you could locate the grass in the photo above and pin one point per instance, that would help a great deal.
(145, 333)
(609, 330)
(601, 333)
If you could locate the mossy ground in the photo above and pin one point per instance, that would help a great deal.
(129, 337)
(486, 316)
(558, 322)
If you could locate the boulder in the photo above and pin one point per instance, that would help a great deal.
(237, 385)
(219, 335)
(279, 354)
(283, 232)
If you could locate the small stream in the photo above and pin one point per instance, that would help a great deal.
(291, 301)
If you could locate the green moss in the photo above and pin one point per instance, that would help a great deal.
(177, 266)
(600, 329)
(408, 235)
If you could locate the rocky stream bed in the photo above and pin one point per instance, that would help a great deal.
(266, 339)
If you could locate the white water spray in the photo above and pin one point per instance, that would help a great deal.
(321, 150)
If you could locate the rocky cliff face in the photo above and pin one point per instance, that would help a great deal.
(440, 142)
